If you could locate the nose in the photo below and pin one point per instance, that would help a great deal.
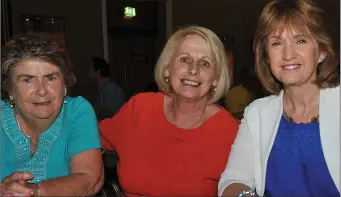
(41, 88)
(194, 69)
(288, 52)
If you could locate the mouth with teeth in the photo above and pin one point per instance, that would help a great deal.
(291, 66)
(190, 83)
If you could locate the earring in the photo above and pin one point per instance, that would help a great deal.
(65, 101)
(322, 59)
(166, 79)
(11, 103)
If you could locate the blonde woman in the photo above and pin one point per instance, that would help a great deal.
(176, 142)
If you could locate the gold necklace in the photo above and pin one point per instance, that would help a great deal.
(26, 134)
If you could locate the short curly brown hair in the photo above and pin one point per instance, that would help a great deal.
(35, 46)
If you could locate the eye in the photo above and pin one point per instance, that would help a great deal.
(185, 59)
(301, 41)
(51, 78)
(276, 43)
(204, 63)
(27, 80)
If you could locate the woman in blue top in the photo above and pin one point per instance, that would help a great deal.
(288, 144)
(49, 142)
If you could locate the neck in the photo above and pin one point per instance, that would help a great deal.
(33, 126)
(301, 99)
(181, 110)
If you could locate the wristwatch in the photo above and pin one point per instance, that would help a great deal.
(249, 192)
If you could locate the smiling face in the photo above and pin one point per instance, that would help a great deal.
(37, 89)
(191, 74)
(293, 57)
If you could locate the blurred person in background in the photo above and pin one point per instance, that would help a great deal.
(243, 92)
(109, 97)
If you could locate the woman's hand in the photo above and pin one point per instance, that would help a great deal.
(16, 185)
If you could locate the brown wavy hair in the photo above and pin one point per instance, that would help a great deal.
(307, 17)
(39, 46)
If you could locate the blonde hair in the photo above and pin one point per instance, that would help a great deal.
(305, 16)
(217, 53)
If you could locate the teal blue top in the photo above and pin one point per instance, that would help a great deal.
(74, 131)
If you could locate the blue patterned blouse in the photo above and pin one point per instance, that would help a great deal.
(74, 131)
(296, 166)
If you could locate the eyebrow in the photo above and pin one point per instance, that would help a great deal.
(200, 58)
(275, 37)
(32, 76)
(52, 74)
(295, 36)
(299, 35)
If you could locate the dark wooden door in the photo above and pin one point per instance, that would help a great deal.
(132, 60)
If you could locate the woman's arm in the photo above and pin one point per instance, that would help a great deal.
(113, 129)
(86, 177)
(84, 154)
(239, 172)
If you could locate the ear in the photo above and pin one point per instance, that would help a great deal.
(166, 72)
(322, 57)
(215, 83)
(65, 91)
(10, 97)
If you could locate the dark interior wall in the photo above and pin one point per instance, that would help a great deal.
(333, 9)
(151, 19)
(146, 15)
(83, 26)
(236, 18)
(135, 43)
(231, 18)
(161, 37)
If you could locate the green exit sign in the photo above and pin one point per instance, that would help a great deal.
(129, 12)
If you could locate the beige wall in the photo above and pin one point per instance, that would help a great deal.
(83, 31)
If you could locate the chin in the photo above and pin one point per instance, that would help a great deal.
(187, 95)
(191, 96)
(293, 83)
(290, 81)
(43, 116)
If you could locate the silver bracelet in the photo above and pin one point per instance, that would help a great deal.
(249, 192)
